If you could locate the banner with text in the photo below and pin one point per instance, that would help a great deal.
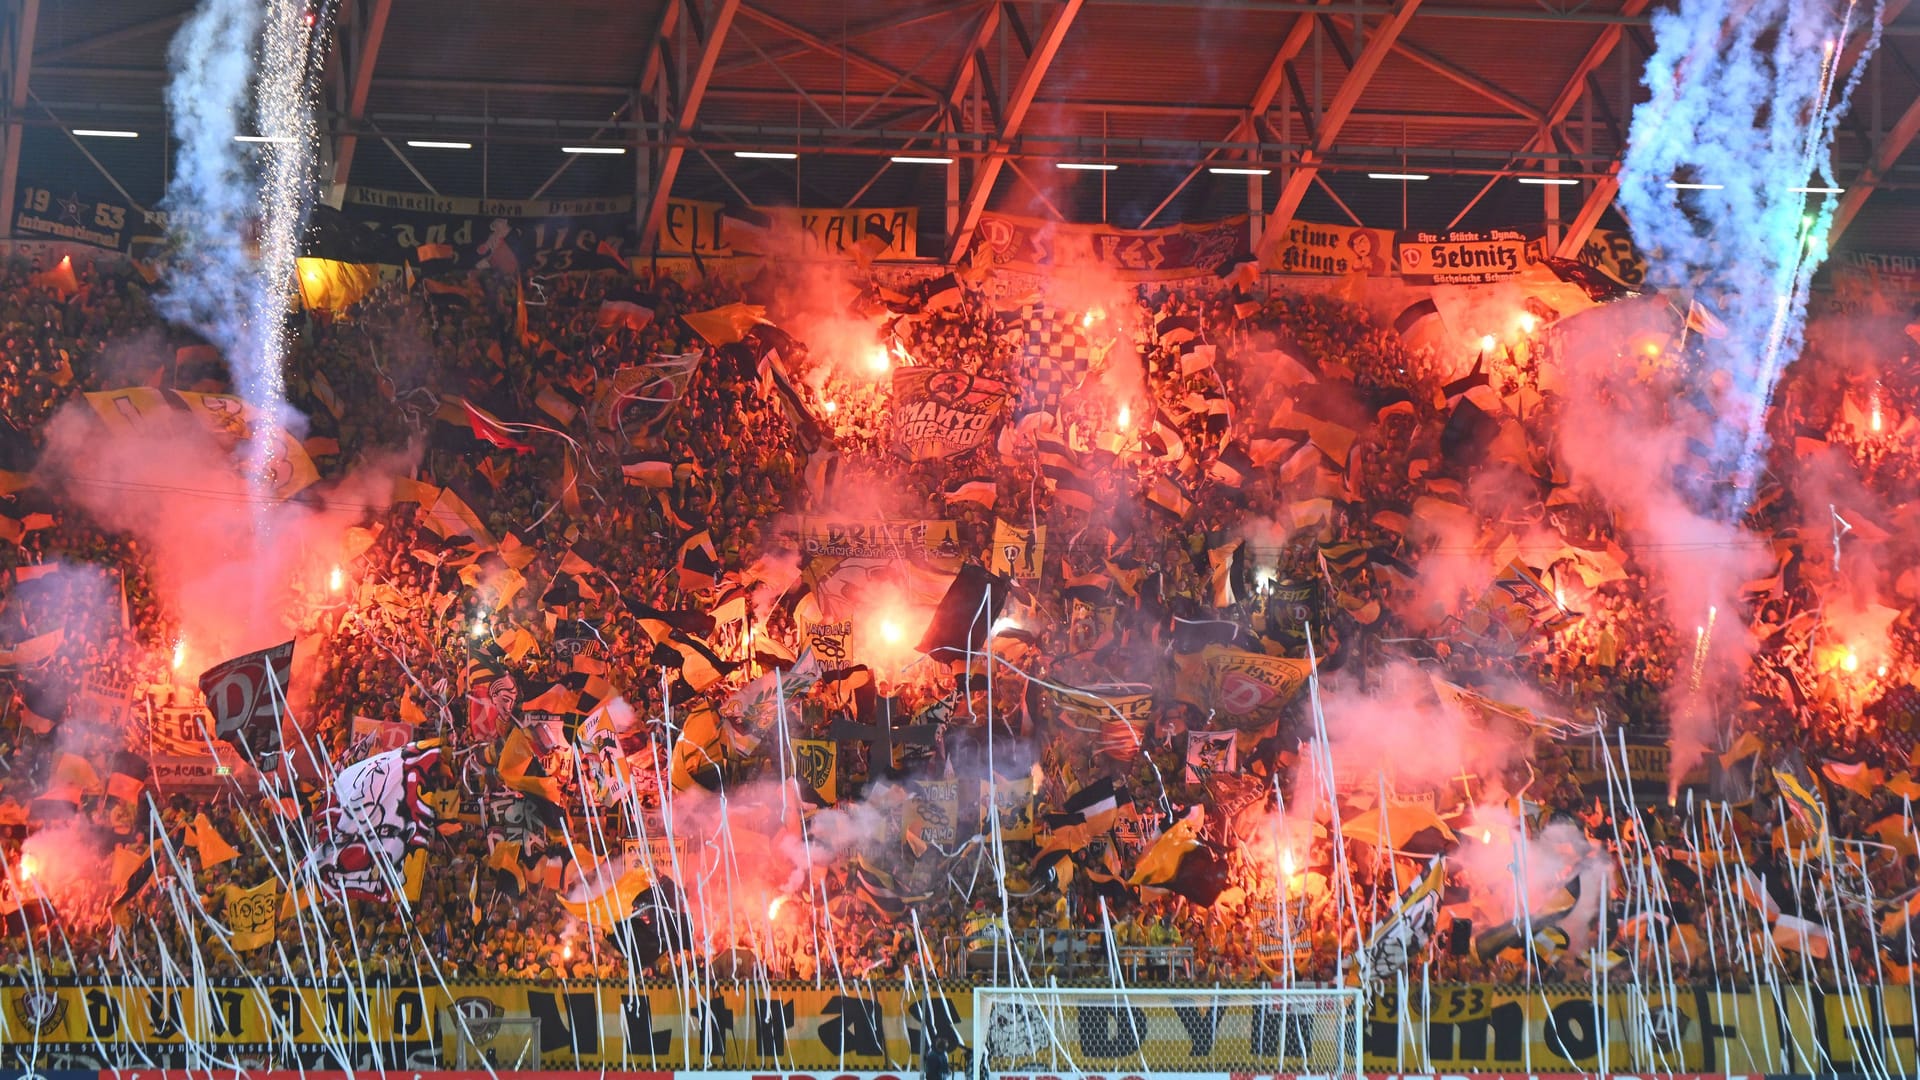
(1038, 246)
(1462, 257)
(889, 233)
(1308, 247)
(1455, 1028)
(942, 413)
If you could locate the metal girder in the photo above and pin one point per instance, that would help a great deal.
(1301, 176)
(1601, 196)
(57, 53)
(1456, 74)
(973, 59)
(1263, 95)
(891, 22)
(357, 64)
(695, 93)
(1898, 138)
(1019, 100)
(814, 41)
(20, 28)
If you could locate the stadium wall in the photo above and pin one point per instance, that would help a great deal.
(1453, 1029)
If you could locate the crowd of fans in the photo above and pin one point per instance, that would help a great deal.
(394, 650)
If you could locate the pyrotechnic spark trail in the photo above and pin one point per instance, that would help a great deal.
(237, 224)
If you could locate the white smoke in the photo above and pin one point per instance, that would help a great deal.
(1741, 115)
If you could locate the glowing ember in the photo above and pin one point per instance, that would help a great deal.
(179, 654)
(1881, 672)
(1126, 417)
(890, 631)
(479, 626)
(1486, 836)
(879, 360)
(1850, 663)
(829, 406)
(1527, 323)
(1877, 423)
(1487, 342)
(1653, 348)
(1287, 865)
(773, 909)
(335, 580)
(29, 865)
(566, 951)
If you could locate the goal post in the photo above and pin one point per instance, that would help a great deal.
(1060, 1031)
(473, 1040)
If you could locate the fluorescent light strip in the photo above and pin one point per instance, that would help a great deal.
(1818, 190)
(766, 155)
(1678, 186)
(262, 138)
(593, 149)
(435, 144)
(1085, 166)
(921, 160)
(106, 133)
(1398, 176)
(1228, 170)
(1548, 181)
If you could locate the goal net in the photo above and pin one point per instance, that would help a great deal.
(471, 1043)
(1064, 1030)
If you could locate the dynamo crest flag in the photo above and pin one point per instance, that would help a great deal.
(246, 696)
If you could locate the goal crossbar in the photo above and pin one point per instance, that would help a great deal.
(1026, 1032)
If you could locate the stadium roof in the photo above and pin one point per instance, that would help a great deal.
(1472, 93)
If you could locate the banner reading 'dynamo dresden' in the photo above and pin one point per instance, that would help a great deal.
(1452, 1029)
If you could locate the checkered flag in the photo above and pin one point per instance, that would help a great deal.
(1059, 356)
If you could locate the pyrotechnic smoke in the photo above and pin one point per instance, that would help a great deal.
(237, 224)
(1715, 179)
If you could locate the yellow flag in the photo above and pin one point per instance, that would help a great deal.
(1162, 861)
(206, 839)
(726, 325)
(330, 285)
(604, 895)
(1018, 552)
(252, 913)
(413, 874)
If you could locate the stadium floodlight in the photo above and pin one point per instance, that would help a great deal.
(1548, 181)
(1085, 166)
(105, 133)
(905, 160)
(1828, 190)
(437, 144)
(767, 155)
(263, 138)
(1398, 176)
(593, 149)
(1237, 170)
(1679, 185)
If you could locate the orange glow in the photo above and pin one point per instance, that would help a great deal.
(1850, 663)
(1126, 417)
(1287, 865)
(1528, 322)
(29, 865)
(566, 951)
(1486, 836)
(1877, 423)
(829, 407)
(890, 631)
(879, 360)
(1487, 342)
(335, 580)
(1653, 348)
(773, 909)
(179, 654)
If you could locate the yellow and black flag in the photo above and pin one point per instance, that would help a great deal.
(816, 765)
(1802, 794)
